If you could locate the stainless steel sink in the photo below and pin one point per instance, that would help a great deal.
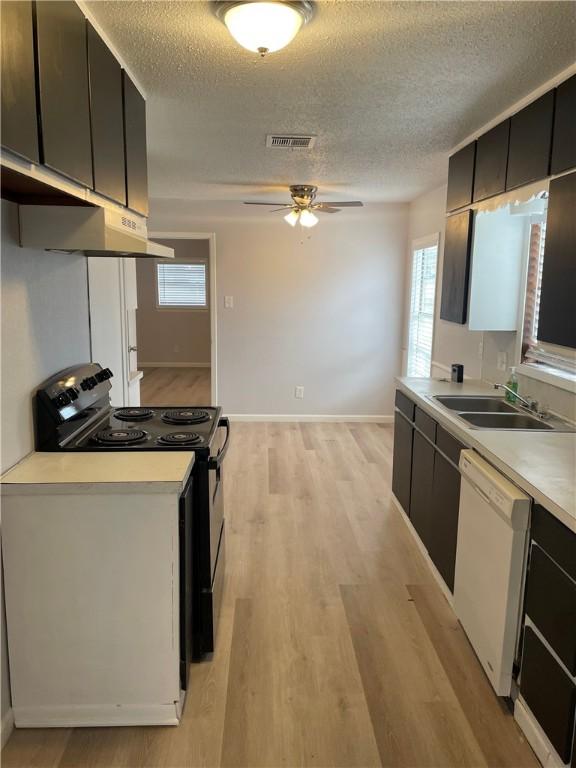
(471, 404)
(505, 421)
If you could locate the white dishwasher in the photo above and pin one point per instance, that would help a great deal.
(490, 563)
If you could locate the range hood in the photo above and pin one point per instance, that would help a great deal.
(95, 231)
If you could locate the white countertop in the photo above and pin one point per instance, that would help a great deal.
(154, 471)
(541, 463)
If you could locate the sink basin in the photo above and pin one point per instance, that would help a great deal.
(475, 404)
(505, 421)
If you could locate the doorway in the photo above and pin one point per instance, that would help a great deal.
(176, 322)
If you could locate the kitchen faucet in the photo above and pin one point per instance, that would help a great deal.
(529, 403)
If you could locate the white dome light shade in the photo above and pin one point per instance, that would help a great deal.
(308, 219)
(263, 27)
(292, 217)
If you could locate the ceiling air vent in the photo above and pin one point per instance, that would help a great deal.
(286, 141)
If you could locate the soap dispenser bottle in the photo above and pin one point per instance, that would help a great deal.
(512, 384)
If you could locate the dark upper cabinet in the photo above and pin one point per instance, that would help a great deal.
(107, 119)
(402, 461)
(564, 136)
(461, 177)
(491, 162)
(63, 89)
(549, 693)
(530, 142)
(456, 267)
(135, 143)
(19, 122)
(557, 319)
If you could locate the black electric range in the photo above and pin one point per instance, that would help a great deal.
(73, 413)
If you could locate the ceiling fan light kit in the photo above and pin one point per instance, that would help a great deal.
(264, 26)
(303, 206)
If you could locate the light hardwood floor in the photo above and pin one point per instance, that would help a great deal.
(335, 646)
(175, 386)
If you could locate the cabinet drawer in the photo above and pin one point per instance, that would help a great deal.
(425, 424)
(405, 405)
(551, 605)
(449, 446)
(555, 539)
(549, 693)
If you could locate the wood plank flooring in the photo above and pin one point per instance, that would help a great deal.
(175, 386)
(335, 646)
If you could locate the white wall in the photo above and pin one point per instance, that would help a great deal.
(171, 335)
(320, 308)
(44, 328)
(476, 350)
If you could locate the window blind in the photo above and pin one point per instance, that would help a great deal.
(421, 323)
(181, 285)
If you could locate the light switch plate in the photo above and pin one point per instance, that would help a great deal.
(228, 302)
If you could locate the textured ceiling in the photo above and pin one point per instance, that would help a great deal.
(388, 87)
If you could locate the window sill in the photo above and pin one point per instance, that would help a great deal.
(549, 375)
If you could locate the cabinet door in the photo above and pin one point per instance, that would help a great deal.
(551, 605)
(107, 119)
(530, 142)
(557, 320)
(491, 162)
(19, 123)
(461, 177)
(421, 487)
(402, 462)
(445, 501)
(135, 141)
(549, 693)
(63, 88)
(564, 137)
(456, 267)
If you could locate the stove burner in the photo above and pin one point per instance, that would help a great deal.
(120, 436)
(180, 438)
(134, 414)
(185, 416)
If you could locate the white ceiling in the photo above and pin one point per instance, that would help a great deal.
(388, 87)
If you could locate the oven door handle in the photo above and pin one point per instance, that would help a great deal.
(214, 462)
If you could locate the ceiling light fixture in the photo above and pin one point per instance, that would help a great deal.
(292, 217)
(307, 218)
(264, 27)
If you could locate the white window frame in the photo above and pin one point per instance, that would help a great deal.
(183, 308)
(430, 241)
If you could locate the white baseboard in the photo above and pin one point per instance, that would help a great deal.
(535, 736)
(173, 365)
(97, 716)
(308, 417)
(7, 727)
(435, 572)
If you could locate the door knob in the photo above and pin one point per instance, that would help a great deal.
(132, 349)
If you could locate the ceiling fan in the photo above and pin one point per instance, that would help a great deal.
(302, 208)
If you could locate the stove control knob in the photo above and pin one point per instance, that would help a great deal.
(100, 376)
(72, 393)
(84, 385)
(107, 373)
(61, 400)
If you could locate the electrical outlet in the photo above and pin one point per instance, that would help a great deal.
(228, 302)
(502, 361)
(299, 393)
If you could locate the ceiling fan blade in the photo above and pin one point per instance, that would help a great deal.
(345, 204)
(321, 208)
(283, 208)
(246, 202)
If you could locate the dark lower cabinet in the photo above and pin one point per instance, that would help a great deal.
(564, 136)
(402, 461)
(422, 487)
(530, 142)
(135, 147)
(456, 267)
(549, 692)
(63, 89)
(444, 503)
(107, 119)
(19, 131)
(491, 162)
(461, 177)
(557, 318)
(551, 605)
